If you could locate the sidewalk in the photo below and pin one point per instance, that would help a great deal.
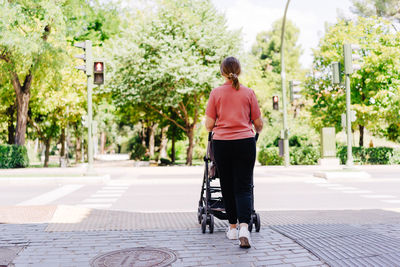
(74, 236)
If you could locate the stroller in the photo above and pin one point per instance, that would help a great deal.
(211, 202)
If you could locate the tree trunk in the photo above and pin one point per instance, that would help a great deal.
(47, 152)
(152, 130)
(164, 142)
(189, 154)
(11, 127)
(103, 139)
(361, 141)
(62, 141)
(78, 151)
(143, 135)
(23, 97)
(173, 149)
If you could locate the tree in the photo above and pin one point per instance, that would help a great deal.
(33, 39)
(268, 45)
(57, 102)
(379, 72)
(388, 9)
(39, 24)
(171, 61)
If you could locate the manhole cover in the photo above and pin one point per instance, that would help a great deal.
(135, 257)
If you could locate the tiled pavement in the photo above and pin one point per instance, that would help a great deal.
(54, 241)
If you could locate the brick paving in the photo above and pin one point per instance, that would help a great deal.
(66, 249)
(72, 236)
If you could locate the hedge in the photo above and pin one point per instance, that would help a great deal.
(13, 156)
(370, 155)
(306, 155)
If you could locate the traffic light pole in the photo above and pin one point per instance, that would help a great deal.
(90, 126)
(348, 70)
(349, 163)
(284, 104)
(88, 69)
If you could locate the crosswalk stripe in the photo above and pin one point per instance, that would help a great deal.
(100, 200)
(51, 196)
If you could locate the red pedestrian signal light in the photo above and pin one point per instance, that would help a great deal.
(98, 71)
(275, 102)
(98, 66)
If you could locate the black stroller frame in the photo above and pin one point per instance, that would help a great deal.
(211, 205)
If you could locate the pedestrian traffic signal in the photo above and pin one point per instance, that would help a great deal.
(336, 77)
(275, 102)
(294, 90)
(98, 67)
(87, 57)
(350, 58)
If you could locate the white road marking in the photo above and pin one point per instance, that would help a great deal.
(343, 188)
(357, 192)
(320, 181)
(51, 196)
(378, 196)
(95, 206)
(116, 187)
(329, 185)
(393, 201)
(111, 191)
(100, 200)
(105, 195)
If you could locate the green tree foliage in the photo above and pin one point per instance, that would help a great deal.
(31, 36)
(378, 75)
(168, 61)
(34, 38)
(389, 9)
(263, 68)
(268, 45)
(57, 102)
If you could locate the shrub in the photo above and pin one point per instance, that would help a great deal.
(395, 158)
(371, 155)
(13, 156)
(306, 155)
(269, 156)
(138, 151)
(165, 162)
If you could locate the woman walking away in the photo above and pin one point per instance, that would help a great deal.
(231, 112)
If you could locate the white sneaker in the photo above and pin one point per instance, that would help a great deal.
(232, 233)
(244, 238)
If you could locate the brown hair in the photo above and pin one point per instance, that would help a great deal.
(230, 68)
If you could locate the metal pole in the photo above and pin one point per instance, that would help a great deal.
(89, 121)
(283, 76)
(349, 163)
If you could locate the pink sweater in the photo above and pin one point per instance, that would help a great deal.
(234, 110)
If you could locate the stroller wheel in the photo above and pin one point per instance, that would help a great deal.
(200, 212)
(251, 223)
(203, 223)
(257, 222)
(211, 225)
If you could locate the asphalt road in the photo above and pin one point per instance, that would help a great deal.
(163, 189)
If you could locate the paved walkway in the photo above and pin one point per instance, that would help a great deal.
(74, 236)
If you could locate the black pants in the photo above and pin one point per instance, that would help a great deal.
(235, 163)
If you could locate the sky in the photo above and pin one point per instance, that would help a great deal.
(310, 16)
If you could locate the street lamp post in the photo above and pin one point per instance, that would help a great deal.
(284, 104)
